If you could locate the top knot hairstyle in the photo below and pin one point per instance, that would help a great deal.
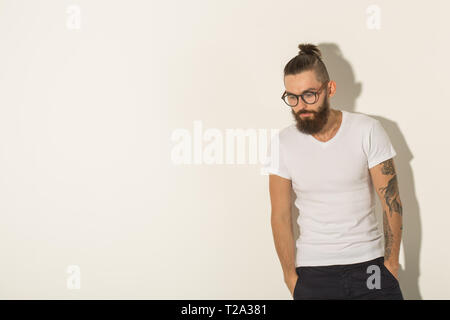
(307, 48)
(308, 58)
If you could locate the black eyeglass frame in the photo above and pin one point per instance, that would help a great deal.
(316, 95)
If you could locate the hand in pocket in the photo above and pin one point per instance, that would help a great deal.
(391, 270)
(295, 284)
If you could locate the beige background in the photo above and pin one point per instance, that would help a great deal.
(86, 118)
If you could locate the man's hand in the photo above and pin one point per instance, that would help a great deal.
(291, 282)
(393, 268)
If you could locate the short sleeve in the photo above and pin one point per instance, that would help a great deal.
(379, 145)
(275, 162)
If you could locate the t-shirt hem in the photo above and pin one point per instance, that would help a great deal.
(268, 172)
(381, 159)
(363, 258)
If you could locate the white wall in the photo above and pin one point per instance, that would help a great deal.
(88, 171)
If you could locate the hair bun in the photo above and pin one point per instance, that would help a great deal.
(307, 48)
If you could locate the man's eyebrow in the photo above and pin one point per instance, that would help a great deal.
(309, 89)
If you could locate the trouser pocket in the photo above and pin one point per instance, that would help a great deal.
(391, 278)
(297, 283)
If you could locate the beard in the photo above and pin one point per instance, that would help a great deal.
(314, 123)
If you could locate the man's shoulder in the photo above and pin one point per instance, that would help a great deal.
(361, 119)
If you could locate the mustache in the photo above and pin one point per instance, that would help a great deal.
(299, 113)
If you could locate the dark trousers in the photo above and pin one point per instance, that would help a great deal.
(364, 280)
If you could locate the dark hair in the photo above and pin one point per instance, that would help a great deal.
(308, 58)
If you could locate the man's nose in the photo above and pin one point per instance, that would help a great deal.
(300, 107)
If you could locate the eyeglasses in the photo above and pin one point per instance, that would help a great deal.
(309, 97)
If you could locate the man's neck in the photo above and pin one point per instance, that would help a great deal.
(331, 126)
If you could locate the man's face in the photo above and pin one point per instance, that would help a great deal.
(310, 118)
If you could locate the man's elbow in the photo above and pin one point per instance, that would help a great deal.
(281, 215)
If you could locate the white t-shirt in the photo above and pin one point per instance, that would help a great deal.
(335, 194)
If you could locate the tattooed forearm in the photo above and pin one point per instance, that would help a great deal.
(391, 196)
(390, 192)
(388, 237)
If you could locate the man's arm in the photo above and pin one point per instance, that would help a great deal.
(280, 198)
(385, 181)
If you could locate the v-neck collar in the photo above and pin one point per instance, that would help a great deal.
(336, 136)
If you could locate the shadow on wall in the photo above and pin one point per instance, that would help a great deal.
(347, 91)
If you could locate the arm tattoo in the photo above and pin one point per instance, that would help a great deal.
(388, 236)
(390, 192)
(388, 167)
(391, 197)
